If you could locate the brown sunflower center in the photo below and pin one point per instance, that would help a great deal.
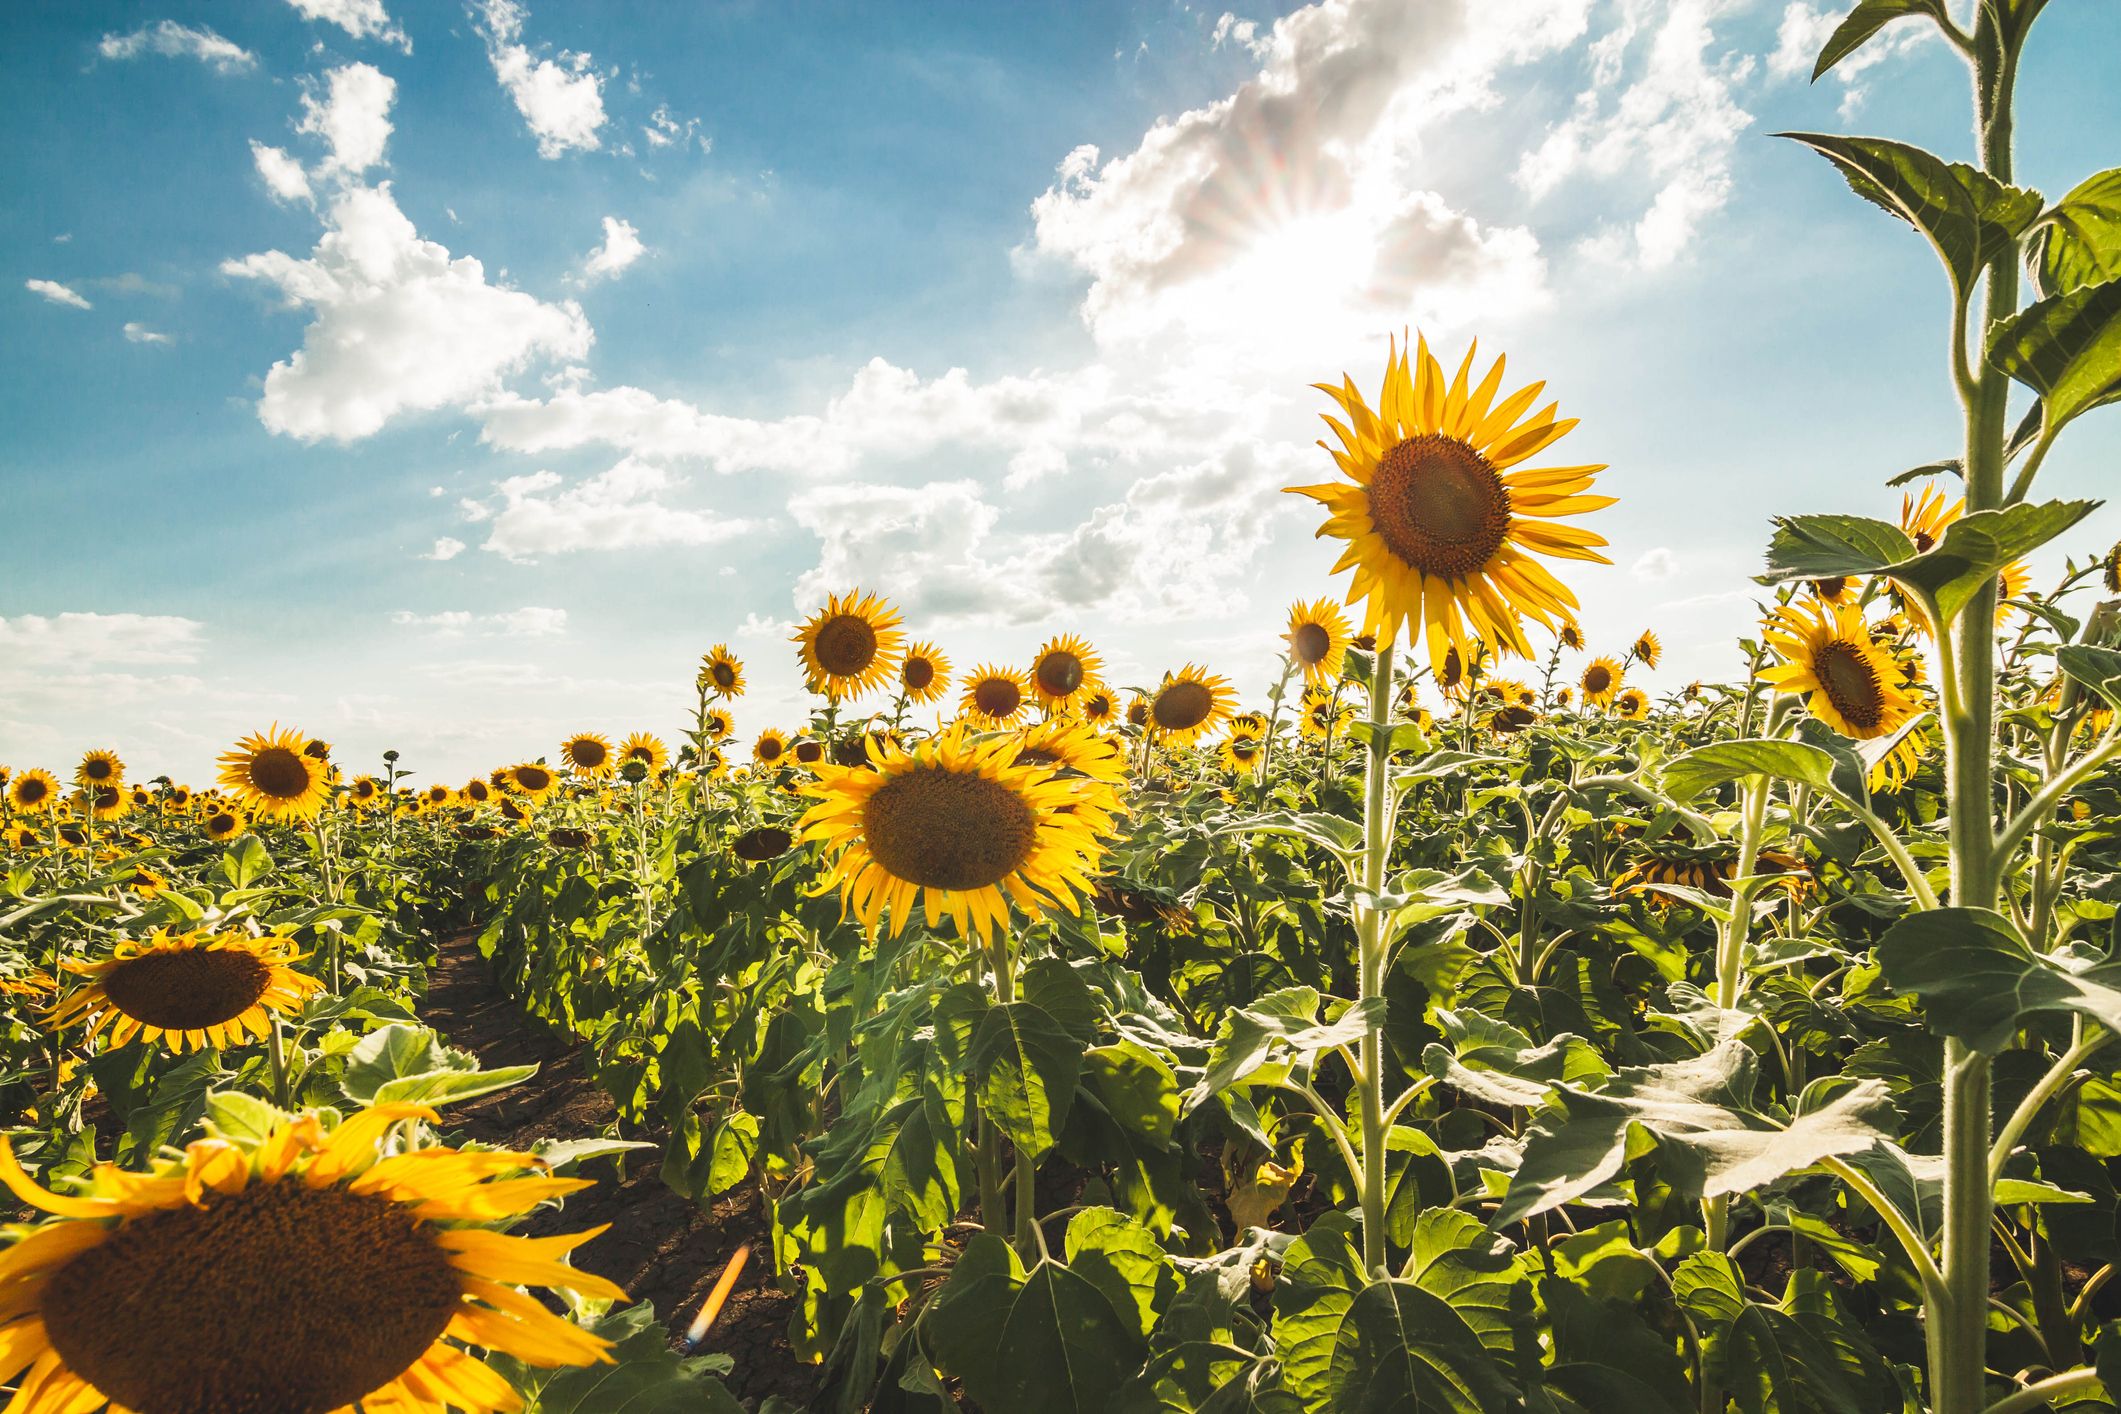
(769, 749)
(809, 753)
(1060, 673)
(945, 829)
(281, 1299)
(1439, 506)
(95, 768)
(845, 645)
(1181, 706)
(187, 989)
(763, 843)
(1597, 678)
(31, 791)
(220, 823)
(533, 778)
(279, 773)
(724, 674)
(1850, 683)
(998, 697)
(917, 673)
(588, 753)
(1312, 643)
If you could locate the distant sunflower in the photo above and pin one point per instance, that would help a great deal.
(223, 822)
(187, 989)
(1570, 635)
(23, 838)
(437, 795)
(771, 747)
(960, 828)
(364, 790)
(142, 798)
(722, 673)
(1633, 704)
(145, 881)
(1849, 682)
(317, 749)
(270, 775)
(32, 792)
(924, 673)
(107, 802)
(807, 750)
(532, 778)
(1600, 682)
(1647, 650)
(1441, 528)
(717, 724)
(1321, 713)
(994, 697)
(476, 791)
(646, 748)
(513, 810)
(100, 768)
(1138, 712)
(1072, 746)
(1318, 639)
(1510, 692)
(1098, 707)
(1834, 588)
(1190, 703)
(1061, 671)
(851, 645)
(1241, 752)
(301, 1271)
(177, 798)
(589, 754)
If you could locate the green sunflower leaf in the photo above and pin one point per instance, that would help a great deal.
(1823, 546)
(1977, 979)
(2067, 348)
(1698, 770)
(2077, 241)
(1861, 23)
(1025, 1068)
(1046, 1341)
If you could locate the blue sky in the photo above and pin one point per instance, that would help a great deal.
(451, 376)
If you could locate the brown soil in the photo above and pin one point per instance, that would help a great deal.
(661, 1247)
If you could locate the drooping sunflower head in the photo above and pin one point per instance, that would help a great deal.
(1829, 655)
(271, 775)
(100, 768)
(32, 792)
(717, 724)
(588, 754)
(721, 673)
(1062, 670)
(924, 673)
(187, 989)
(771, 748)
(1441, 518)
(1190, 703)
(534, 779)
(299, 1271)
(1647, 650)
(1318, 639)
(513, 810)
(646, 748)
(994, 697)
(958, 826)
(1600, 682)
(851, 645)
(1632, 705)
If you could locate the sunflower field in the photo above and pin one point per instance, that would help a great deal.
(1452, 1023)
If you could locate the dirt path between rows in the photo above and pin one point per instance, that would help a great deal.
(661, 1247)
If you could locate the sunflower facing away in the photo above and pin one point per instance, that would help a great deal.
(721, 673)
(296, 1273)
(271, 775)
(1849, 682)
(851, 645)
(589, 754)
(1062, 671)
(1190, 703)
(1600, 681)
(994, 697)
(646, 748)
(32, 792)
(924, 673)
(1441, 524)
(1318, 639)
(191, 990)
(100, 768)
(959, 826)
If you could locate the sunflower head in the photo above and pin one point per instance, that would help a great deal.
(23, 838)
(2110, 570)
(1600, 682)
(1062, 671)
(534, 779)
(924, 673)
(1318, 639)
(107, 802)
(1440, 517)
(270, 774)
(994, 697)
(364, 790)
(1848, 681)
(100, 768)
(1834, 588)
(1633, 704)
(32, 792)
(1570, 635)
(1924, 517)
(717, 724)
(1189, 704)
(646, 748)
(1647, 650)
(1099, 706)
(187, 989)
(851, 645)
(223, 822)
(771, 748)
(807, 751)
(588, 754)
(475, 791)
(1072, 747)
(1241, 752)
(721, 673)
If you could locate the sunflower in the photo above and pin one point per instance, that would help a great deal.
(1250, 723)
(924, 673)
(1189, 704)
(807, 750)
(532, 778)
(299, 1271)
(1318, 638)
(1440, 529)
(100, 768)
(144, 881)
(437, 795)
(771, 746)
(177, 798)
(961, 827)
(142, 798)
(1062, 670)
(994, 697)
(1320, 712)
(722, 673)
(271, 775)
(761, 843)
(1646, 650)
(1241, 752)
(1600, 682)
(475, 791)
(1098, 707)
(32, 792)
(192, 989)
(1711, 874)
(1892, 770)
(1850, 683)
(364, 790)
(1923, 518)
(645, 748)
(1834, 588)
(23, 838)
(588, 753)
(107, 802)
(1072, 746)
(2110, 569)
(851, 645)
(512, 810)
(223, 822)
(716, 724)
(1510, 692)
(1632, 705)
(317, 749)
(1138, 712)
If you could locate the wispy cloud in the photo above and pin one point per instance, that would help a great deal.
(57, 293)
(175, 41)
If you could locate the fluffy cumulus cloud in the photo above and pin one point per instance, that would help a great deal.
(447, 547)
(562, 100)
(362, 19)
(529, 622)
(283, 175)
(622, 508)
(621, 248)
(352, 116)
(57, 293)
(399, 325)
(85, 640)
(175, 41)
(1660, 114)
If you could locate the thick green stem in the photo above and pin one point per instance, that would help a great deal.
(1370, 928)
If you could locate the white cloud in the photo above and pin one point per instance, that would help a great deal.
(362, 19)
(621, 248)
(514, 623)
(1671, 127)
(82, 639)
(353, 118)
(1654, 564)
(664, 130)
(447, 547)
(57, 293)
(1229, 29)
(138, 333)
(399, 326)
(617, 509)
(282, 174)
(563, 101)
(1804, 31)
(175, 41)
